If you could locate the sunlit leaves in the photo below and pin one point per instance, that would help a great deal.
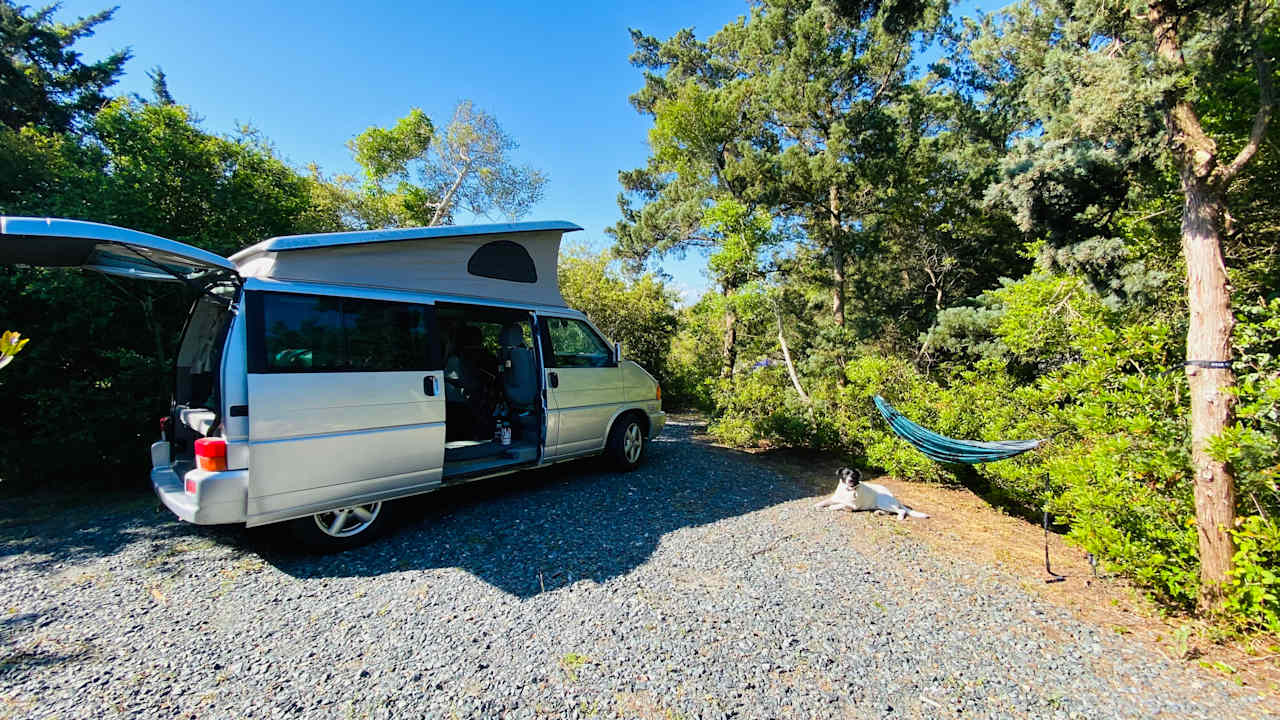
(385, 153)
(11, 343)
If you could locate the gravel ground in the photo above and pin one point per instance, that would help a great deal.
(700, 585)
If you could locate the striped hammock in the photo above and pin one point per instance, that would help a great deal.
(949, 450)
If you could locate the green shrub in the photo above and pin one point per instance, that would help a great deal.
(85, 398)
(762, 408)
(1252, 446)
(1254, 590)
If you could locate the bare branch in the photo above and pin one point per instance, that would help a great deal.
(1266, 102)
(893, 70)
(446, 203)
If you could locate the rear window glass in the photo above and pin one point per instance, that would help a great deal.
(385, 336)
(310, 333)
(503, 260)
(200, 354)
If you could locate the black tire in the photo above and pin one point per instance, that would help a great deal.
(627, 442)
(352, 531)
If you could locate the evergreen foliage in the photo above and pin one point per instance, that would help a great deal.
(43, 81)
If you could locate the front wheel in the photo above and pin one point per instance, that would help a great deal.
(341, 528)
(627, 443)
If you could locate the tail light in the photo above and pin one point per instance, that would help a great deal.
(211, 454)
(658, 394)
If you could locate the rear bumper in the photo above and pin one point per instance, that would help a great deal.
(220, 497)
(657, 421)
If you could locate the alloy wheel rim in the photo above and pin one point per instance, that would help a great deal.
(348, 521)
(632, 442)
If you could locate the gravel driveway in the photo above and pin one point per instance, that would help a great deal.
(701, 585)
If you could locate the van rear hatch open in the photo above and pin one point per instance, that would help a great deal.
(56, 242)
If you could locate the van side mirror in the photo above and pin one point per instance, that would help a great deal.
(617, 352)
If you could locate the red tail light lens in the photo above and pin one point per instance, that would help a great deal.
(658, 396)
(211, 454)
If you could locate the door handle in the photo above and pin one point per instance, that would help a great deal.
(554, 379)
(429, 385)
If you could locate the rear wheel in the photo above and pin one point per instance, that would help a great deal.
(627, 442)
(341, 528)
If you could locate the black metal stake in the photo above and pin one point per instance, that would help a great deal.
(1053, 576)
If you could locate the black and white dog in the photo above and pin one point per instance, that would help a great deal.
(853, 494)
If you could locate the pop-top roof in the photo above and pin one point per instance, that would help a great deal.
(505, 261)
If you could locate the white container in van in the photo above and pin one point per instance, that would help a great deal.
(321, 376)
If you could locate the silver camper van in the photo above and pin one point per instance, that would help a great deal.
(321, 376)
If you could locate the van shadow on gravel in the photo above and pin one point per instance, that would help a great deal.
(544, 529)
(44, 531)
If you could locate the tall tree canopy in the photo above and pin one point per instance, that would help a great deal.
(466, 166)
(788, 110)
(43, 80)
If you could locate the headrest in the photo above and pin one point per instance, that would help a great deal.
(469, 336)
(511, 336)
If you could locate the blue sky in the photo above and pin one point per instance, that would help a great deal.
(312, 75)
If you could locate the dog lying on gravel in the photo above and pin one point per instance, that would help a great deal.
(853, 494)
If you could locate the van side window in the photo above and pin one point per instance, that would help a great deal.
(575, 344)
(313, 333)
(385, 336)
(303, 332)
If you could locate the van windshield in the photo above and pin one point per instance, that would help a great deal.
(200, 354)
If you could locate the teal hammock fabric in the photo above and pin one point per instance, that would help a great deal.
(950, 450)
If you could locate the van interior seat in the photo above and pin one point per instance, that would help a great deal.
(519, 377)
(468, 373)
(453, 375)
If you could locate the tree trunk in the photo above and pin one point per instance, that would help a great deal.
(1212, 403)
(837, 259)
(729, 348)
(837, 276)
(791, 368)
(446, 202)
(1204, 187)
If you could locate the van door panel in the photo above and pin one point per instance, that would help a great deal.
(235, 394)
(583, 403)
(57, 242)
(587, 386)
(336, 413)
(324, 437)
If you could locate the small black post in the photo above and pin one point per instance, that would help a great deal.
(1053, 576)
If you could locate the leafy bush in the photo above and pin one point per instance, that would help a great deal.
(1253, 447)
(88, 394)
(693, 365)
(1254, 591)
(761, 408)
